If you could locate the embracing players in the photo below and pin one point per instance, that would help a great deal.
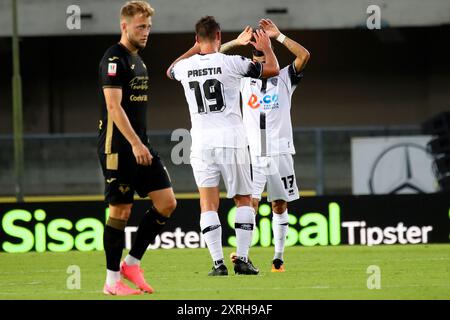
(267, 119)
(211, 82)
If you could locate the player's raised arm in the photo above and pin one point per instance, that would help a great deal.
(113, 98)
(302, 55)
(262, 43)
(192, 51)
(242, 40)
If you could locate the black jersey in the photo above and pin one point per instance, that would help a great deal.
(119, 68)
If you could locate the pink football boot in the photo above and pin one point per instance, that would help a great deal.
(135, 274)
(120, 289)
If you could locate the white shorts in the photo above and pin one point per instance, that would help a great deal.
(278, 172)
(232, 163)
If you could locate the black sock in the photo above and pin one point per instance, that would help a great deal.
(113, 241)
(150, 226)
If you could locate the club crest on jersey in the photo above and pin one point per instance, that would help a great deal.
(112, 69)
(253, 82)
(274, 81)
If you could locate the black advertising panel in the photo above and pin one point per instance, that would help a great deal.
(327, 220)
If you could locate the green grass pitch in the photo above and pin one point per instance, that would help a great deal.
(406, 272)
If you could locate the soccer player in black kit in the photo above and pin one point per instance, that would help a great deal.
(128, 162)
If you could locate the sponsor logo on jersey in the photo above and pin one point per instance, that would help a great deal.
(140, 98)
(112, 69)
(269, 101)
(139, 83)
(113, 58)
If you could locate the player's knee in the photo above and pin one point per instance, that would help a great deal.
(255, 204)
(167, 207)
(243, 200)
(279, 206)
(124, 213)
(209, 205)
(120, 211)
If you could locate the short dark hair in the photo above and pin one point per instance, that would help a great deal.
(257, 53)
(207, 27)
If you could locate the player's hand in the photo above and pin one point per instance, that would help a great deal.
(270, 28)
(262, 41)
(142, 154)
(244, 38)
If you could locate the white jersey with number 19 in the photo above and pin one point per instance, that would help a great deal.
(211, 85)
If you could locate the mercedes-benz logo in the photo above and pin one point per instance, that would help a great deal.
(399, 169)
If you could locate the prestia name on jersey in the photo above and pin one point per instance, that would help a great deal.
(204, 72)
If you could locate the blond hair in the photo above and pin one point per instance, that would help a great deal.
(132, 8)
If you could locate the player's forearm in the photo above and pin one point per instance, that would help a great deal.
(192, 51)
(296, 48)
(228, 46)
(302, 55)
(122, 122)
(270, 67)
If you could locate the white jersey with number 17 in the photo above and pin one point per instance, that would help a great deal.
(211, 85)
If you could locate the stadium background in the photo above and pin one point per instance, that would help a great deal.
(358, 83)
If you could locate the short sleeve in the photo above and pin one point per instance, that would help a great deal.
(111, 72)
(176, 71)
(245, 67)
(294, 76)
(242, 84)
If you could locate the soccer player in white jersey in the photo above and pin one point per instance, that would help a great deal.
(267, 119)
(211, 82)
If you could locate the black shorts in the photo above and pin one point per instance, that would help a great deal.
(123, 176)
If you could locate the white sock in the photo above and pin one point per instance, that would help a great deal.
(131, 261)
(112, 277)
(280, 225)
(254, 225)
(244, 225)
(212, 233)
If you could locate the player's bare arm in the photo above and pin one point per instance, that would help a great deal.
(113, 96)
(262, 43)
(302, 55)
(242, 40)
(195, 49)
